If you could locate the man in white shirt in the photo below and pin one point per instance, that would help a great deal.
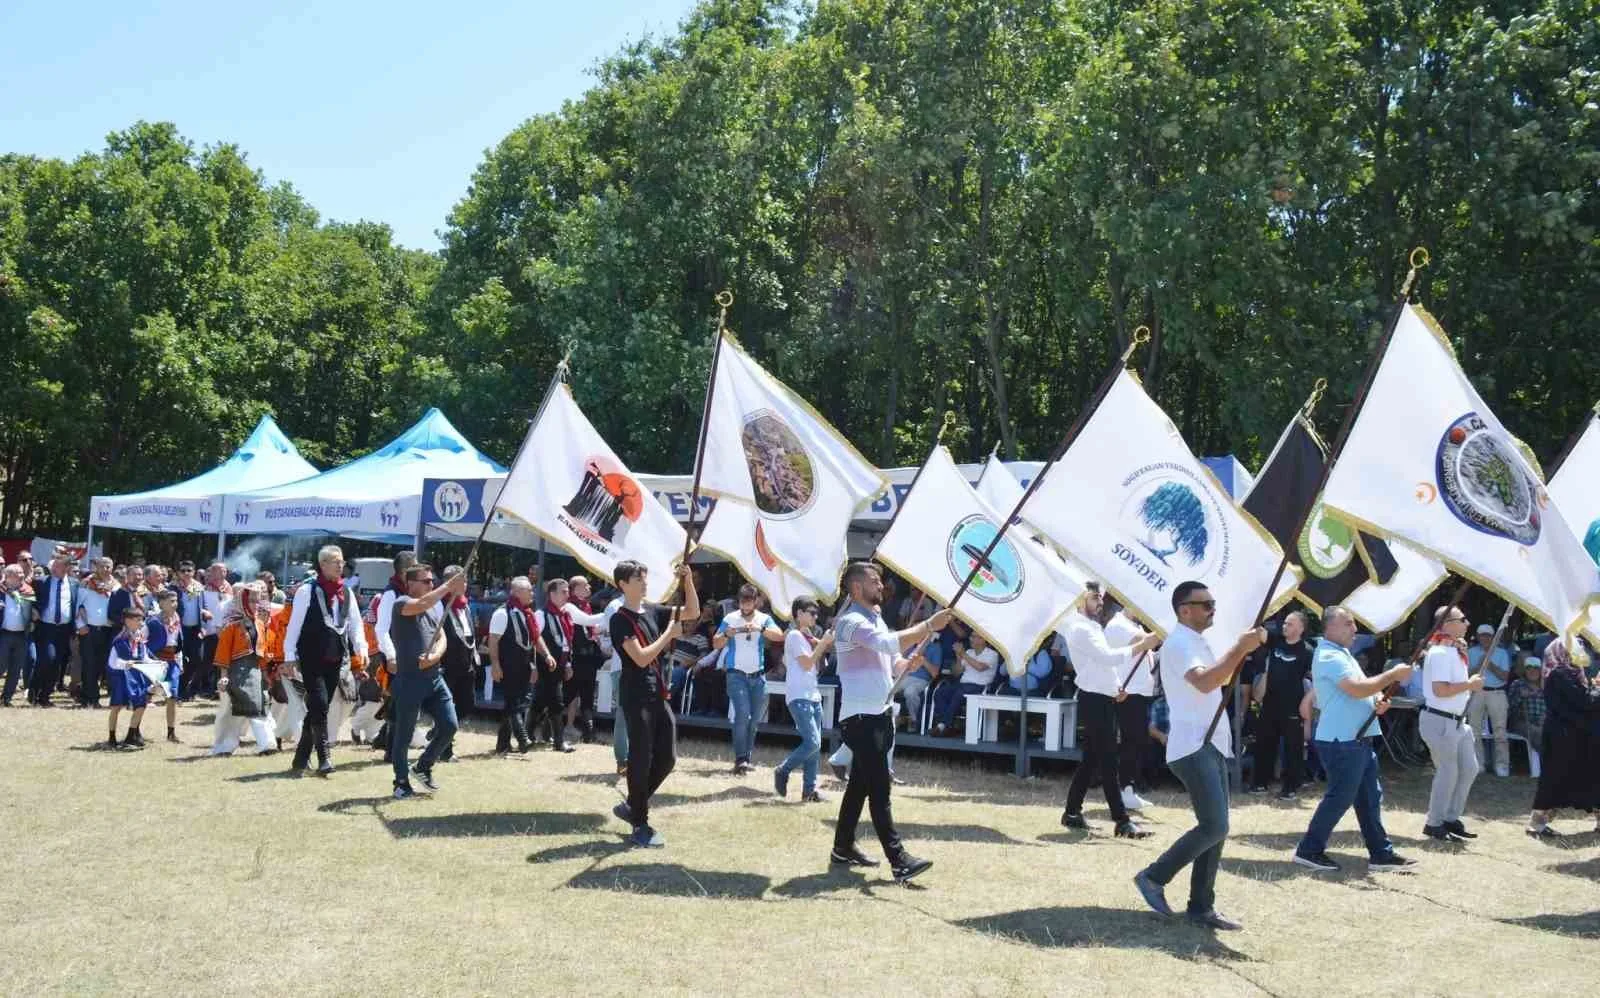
(869, 655)
(742, 639)
(1133, 710)
(1193, 679)
(1101, 669)
(95, 630)
(1444, 726)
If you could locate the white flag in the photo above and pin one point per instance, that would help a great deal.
(1427, 462)
(798, 481)
(1575, 487)
(1132, 504)
(1385, 607)
(999, 487)
(941, 533)
(568, 487)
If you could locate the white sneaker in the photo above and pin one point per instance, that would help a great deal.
(1502, 773)
(1132, 801)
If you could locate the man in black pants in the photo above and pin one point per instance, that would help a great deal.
(191, 613)
(324, 632)
(1100, 670)
(1133, 711)
(56, 598)
(587, 658)
(869, 656)
(642, 692)
(556, 630)
(1288, 667)
(513, 646)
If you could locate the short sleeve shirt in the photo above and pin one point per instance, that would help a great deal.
(642, 627)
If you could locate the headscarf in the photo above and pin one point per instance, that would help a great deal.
(1556, 657)
(235, 609)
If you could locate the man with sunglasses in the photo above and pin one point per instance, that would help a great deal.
(1193, 678)
(1446, 725)
(418, 683)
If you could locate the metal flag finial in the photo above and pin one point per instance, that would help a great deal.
(1317, 391)
(948, 424)
(1141, 336)
(1419, 259)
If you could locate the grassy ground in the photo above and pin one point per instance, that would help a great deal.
(165, 872)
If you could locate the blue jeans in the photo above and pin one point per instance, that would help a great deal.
(1352, 779)
(413, 692)
(947, 700)
(619, 723)
(747, 693)
(807, 716)
(13, 660)
(1205, 776)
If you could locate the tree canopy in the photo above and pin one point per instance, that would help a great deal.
(918, 206)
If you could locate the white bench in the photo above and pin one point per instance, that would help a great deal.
(1060, 718)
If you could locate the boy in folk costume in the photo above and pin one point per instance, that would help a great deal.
(241, 684)
(164, 633)
(130, 687)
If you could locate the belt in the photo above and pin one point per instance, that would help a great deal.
(1458, 718)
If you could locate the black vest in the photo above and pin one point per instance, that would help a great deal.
(318, 644)
(555, 638)
(514, 657)
(458, 649)
(585, 650)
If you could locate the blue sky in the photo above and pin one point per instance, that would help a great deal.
(372, 110)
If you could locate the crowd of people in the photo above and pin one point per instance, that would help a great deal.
(314, 663)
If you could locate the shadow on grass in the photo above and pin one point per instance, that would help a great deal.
(599, 779)
(1351, 841)
(981, 834)
(731, 793)
(1589, 869)
(814, 885)
(596, 849)
(310, 773)
(492, 823)
(199, 721)
(1585, 925)
(673, 880)
(1272, 871)
(1068, 927)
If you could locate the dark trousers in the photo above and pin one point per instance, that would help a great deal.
(93, 651)
(652, 748)
(1205, 775)
(321, 682)
(13, 660)
(516, 691)
(54, 648)
(584, 684)
(414, 692)
(1270, 728)
(194, 662)
(1133, 733)
(870, 737)
(208, 655)
(458, 677)
(549, 702)
(1098, 713)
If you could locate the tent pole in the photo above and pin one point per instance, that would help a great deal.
(539, 585)
(88, 545)
(422, 534)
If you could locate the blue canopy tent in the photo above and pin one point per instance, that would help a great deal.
(376, 497)
(266, 458)
(1233, 475)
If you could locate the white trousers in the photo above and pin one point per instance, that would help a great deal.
(289, 716)
(230, 730)
(364, 723)
(339, 711)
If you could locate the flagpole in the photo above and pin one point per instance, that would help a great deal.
(1422, 649)
(1141, 335)
(1133, 671)
(1419, 259)
(1572, 441)
(724, 300)
(560, 375)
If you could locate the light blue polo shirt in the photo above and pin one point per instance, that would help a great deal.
(1342, 714)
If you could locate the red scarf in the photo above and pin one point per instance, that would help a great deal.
(333, 587)
(397, 584)
(106, 588)
(459, 603)
(223, 588)
(528, 619)
(583, 604)
(1441, 638)
(565, 623)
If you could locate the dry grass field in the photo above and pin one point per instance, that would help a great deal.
(165, 872)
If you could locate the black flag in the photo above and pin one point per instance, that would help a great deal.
(1336, 558)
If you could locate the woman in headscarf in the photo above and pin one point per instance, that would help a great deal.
(1572, 708)
(241, 658)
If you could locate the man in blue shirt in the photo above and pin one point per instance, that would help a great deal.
(1346, 697)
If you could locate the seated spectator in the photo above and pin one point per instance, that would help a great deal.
(914, 685)
(975, 668)
(1036, 677)
(1526, 700)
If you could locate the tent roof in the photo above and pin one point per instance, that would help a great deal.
(266, 458)
(431, 448)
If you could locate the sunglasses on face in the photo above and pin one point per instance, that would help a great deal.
(1209, 604)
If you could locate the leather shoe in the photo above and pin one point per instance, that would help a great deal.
(1212, 920)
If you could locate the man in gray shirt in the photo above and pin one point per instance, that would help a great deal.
(418, 683)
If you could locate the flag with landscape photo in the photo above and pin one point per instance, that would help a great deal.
(569, 487)
(787, 484)
(940, 536)
(1336, 559)
(1428, 463)
(1131, 503)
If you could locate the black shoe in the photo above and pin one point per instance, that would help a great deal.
(564, 747)
(780, 782)
(172, 736)
(908, 867)
(741, 768)
(840, 773)
(325, 770)
(1070, 820)
(1128, 830)
(1442, 833)
(1460, 830)
(623, 812)
(425, 777)
(134, 740)
(1153, 893)
(1255, 791)
(1212, 920)
(811, 797)
(403, 791)
(1288, 795)
(112, 743)
(850, 857)
(1319, 862)
(1389, 862)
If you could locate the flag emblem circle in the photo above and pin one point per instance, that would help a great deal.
(1326, 544)
(781, 471)
(1000, 576)
(1484, 482)
(1174, 517)
(450, 501)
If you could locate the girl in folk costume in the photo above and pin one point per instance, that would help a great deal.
(130, 687)
(288, 695)
(164, 630)
(1570, 754)
(240, 658)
